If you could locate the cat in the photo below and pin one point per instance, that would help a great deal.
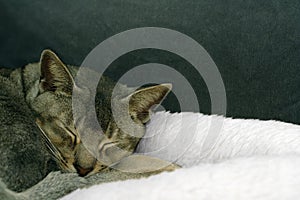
(39, 134)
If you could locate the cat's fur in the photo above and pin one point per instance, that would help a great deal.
(36, 111)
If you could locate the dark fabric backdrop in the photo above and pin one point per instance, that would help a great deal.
(255, 44)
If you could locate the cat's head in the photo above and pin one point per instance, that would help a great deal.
(53, 104)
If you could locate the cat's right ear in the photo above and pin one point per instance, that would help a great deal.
(141, 101)
(55, 76)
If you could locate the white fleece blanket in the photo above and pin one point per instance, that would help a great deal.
(245, 159)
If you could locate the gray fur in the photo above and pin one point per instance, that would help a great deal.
(24, 161)
(26, 167)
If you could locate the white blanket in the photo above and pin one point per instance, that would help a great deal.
(245, 159)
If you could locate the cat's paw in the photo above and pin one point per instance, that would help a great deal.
(171, 167)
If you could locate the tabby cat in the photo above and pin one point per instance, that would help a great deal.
(38, 128)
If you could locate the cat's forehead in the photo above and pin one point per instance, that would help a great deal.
(53, 105)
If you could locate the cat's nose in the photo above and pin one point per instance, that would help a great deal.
(82, 171)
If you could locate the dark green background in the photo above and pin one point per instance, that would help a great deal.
(255, 44)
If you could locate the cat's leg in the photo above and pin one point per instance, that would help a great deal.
(137, 163)
(58, 184)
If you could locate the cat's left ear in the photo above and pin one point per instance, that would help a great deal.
(142, 100)
(55, 76)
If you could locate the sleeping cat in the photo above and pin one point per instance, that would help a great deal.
(37, 127)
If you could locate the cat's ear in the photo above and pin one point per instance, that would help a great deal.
(55, 76)
(143, 99)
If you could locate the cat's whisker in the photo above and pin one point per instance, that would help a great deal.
(54, 151)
